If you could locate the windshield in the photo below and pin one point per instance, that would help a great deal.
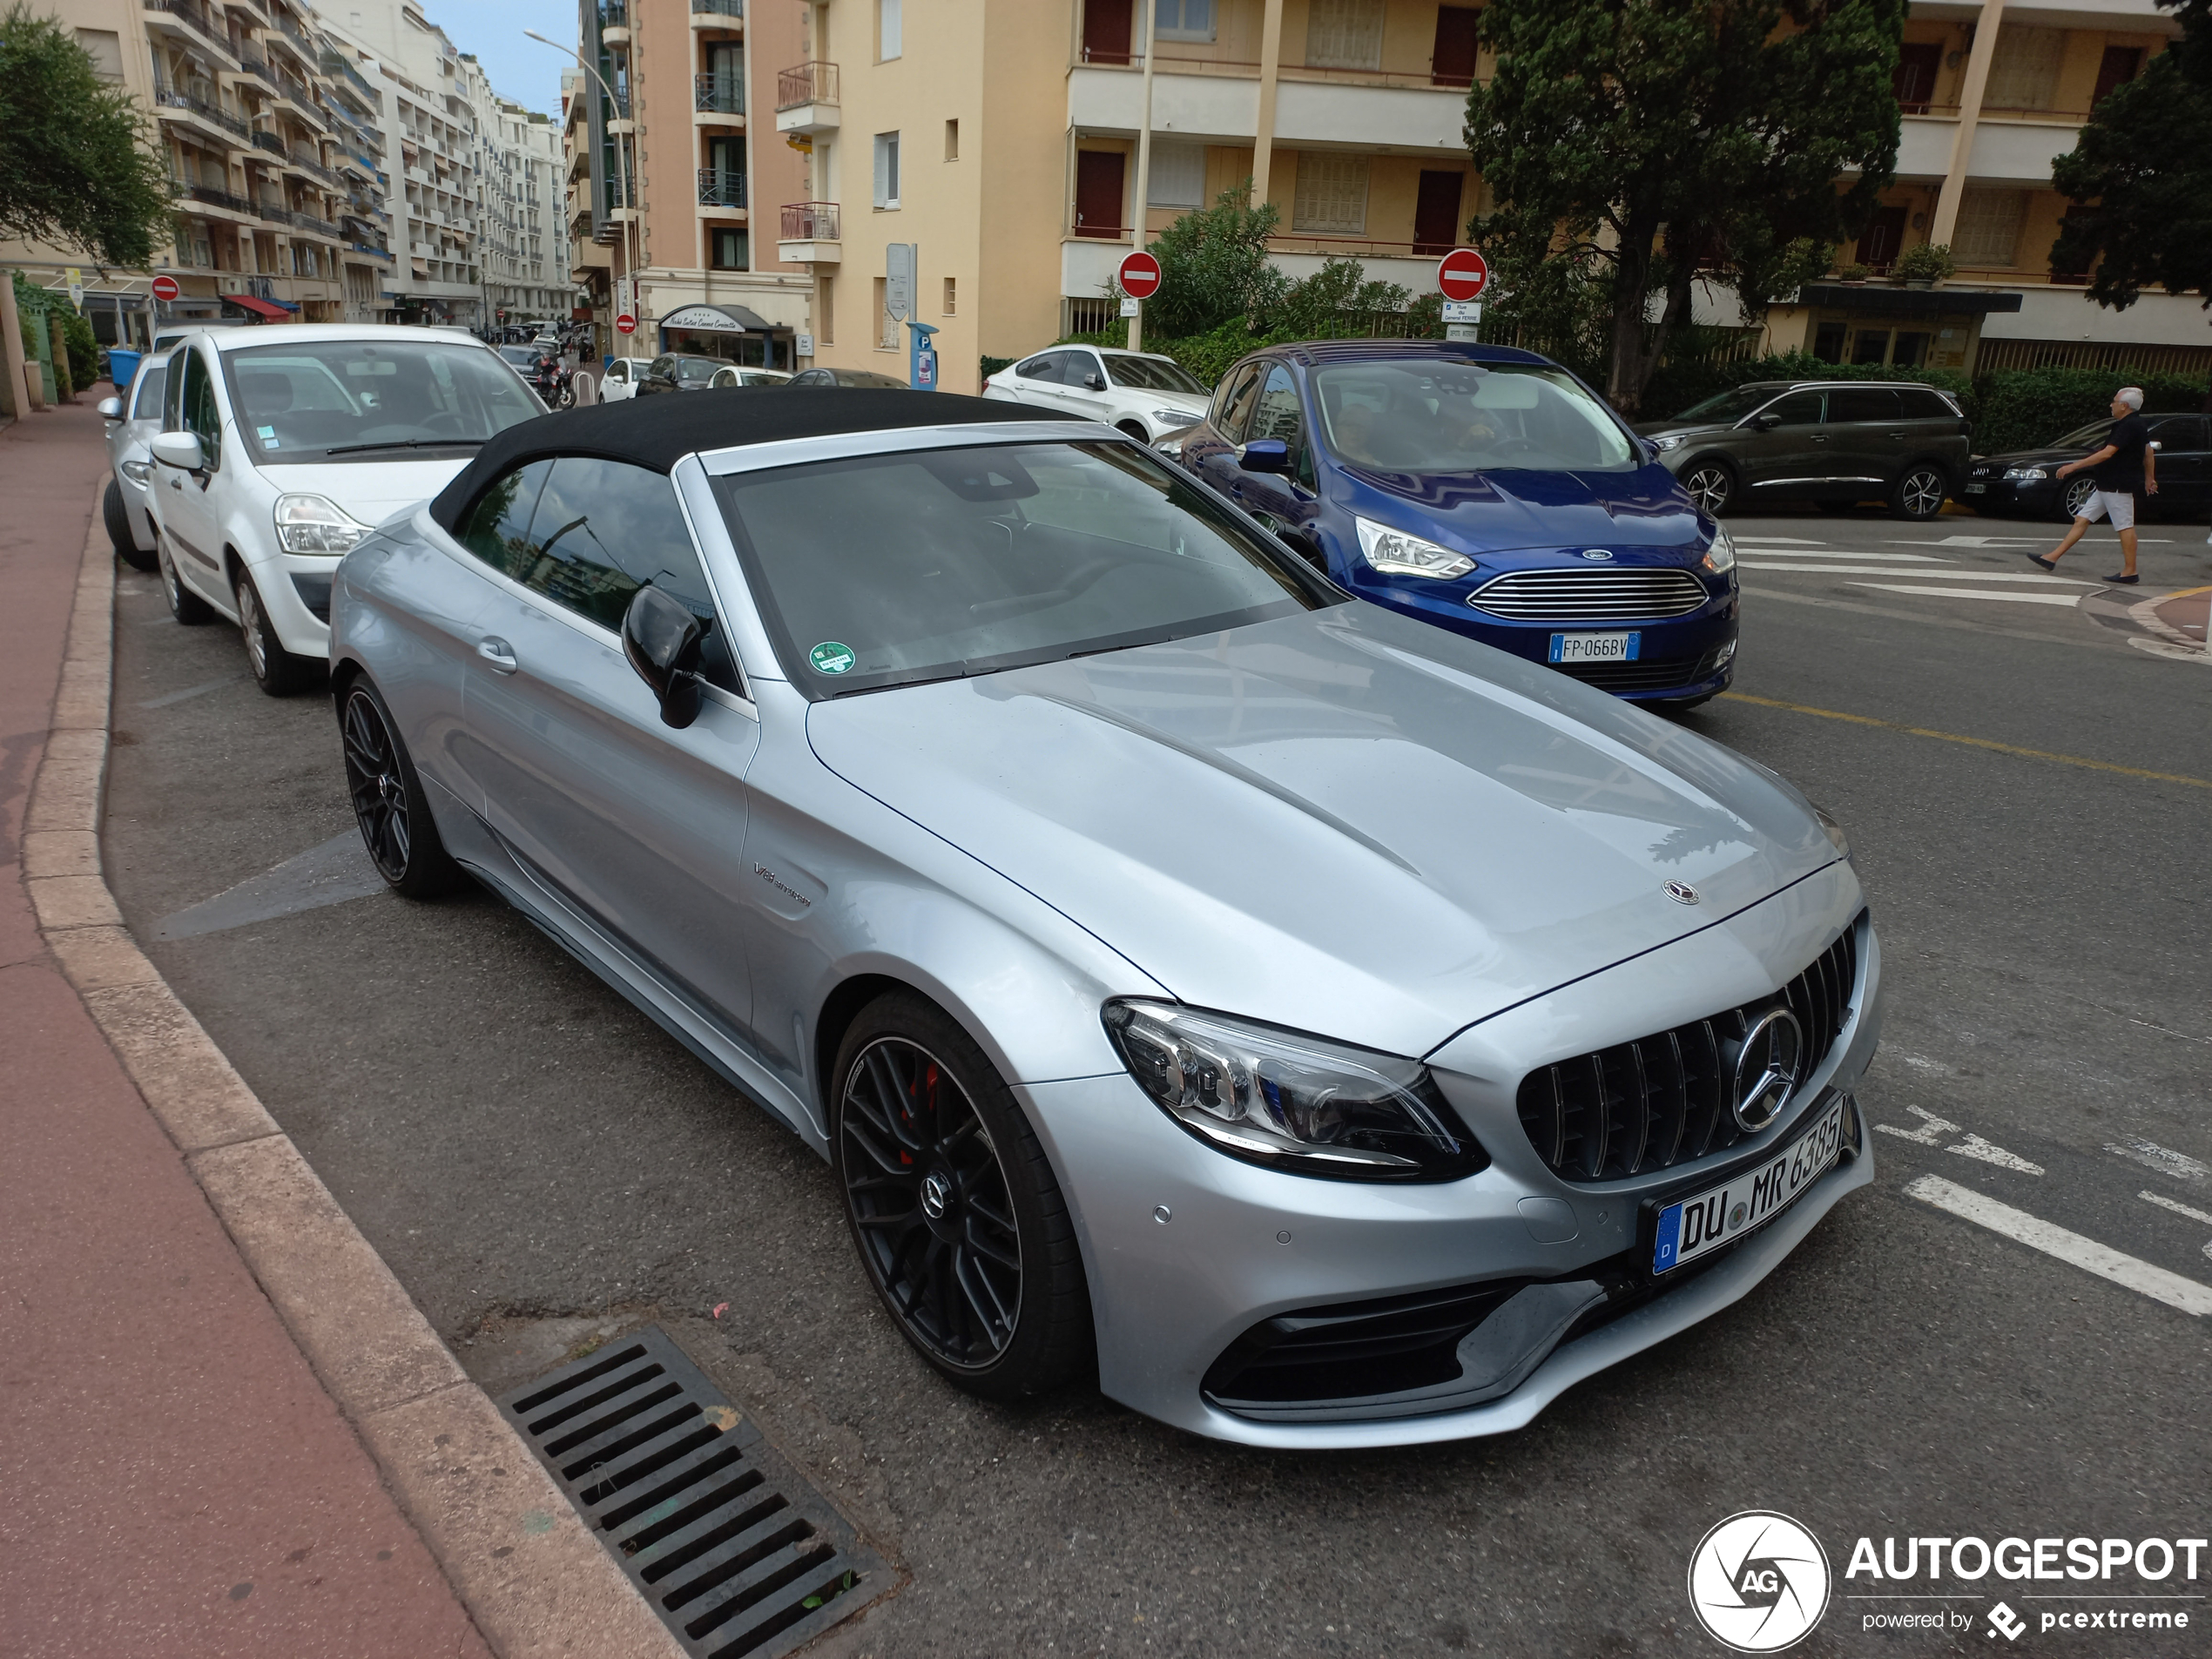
(303, 401)
(1446, 417)
(1728, 408)
(696, 371)
(2091, 437)
(885, 569)
(521, 357)
(1152, 374)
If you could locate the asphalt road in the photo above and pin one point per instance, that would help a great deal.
(2026, 789)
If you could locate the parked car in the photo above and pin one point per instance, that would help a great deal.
(1146, 395)
(132, 420)
(2027, 482)
(619, 384)
(681, 371)
(1836, 443)
(848, 377)
(1488, 492)
(282, 446)
(1338, 1032)
(735, 374)
(523, 357)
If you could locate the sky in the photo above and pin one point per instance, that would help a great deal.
(519, 69)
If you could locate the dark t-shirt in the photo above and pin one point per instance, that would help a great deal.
(2123, 474)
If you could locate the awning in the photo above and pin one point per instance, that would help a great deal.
(1867, 299)
(269, 309)
(725, 319)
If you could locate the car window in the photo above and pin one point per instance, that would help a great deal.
(197, 410)
(314, 399)
(662, 368)
(1799, 408)
(147, 404)
(1278, 414)
(1151, 375)
(695, 371)
(496, 526)
(1862, 403)
(1238, 410)
(1424, 417)
(1726, 408)
(620, 371)
(880, 571)
(1920, 404)
(602, 529)
(2178, 433)
(1045, 366)
(1081, 369)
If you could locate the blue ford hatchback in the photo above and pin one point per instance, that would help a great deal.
(1486, 490)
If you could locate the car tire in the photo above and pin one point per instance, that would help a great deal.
(276, 671)
(1711, 484)
(1919, 493)
(118, 519)
(919, 1117)
(389, 804)
(1136, 429)
(187, 607)
(2070, 499)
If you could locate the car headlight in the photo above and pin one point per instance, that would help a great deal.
(1171, 445)
(1835, 830)
(2024, 474)
(1395, 553)
(1174, 417)
(316, 524)
(1720, 558)
(1667, 440)
(1295, 1101)
(139, 472)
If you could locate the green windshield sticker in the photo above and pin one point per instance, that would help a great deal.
(831, 658)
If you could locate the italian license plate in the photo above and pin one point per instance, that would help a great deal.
(1977, 489)
(1596, 648)
(1724, 1214)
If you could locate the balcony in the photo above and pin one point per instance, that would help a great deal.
(169, 97)
(718, 92)
(614, 22)
(195, 23)
(716, 14)
(810, 234)
(806, 99)
(213, 198)
(721, 187)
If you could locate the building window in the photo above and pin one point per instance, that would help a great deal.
(951, 295)
(1344, 34)
(951, 141)
(731, 248)
(1183, 20)
(1332, 196)
(1988, 231)
(1178, 176)
(105, 47)
(886, 170)
(888, 30)
(2024, 71)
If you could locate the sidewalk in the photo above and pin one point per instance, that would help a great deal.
(180, 1483)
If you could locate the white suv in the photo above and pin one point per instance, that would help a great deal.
(282, 446)
(1146, 395)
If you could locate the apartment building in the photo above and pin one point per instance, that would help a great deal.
(524, 244)
(664, 168)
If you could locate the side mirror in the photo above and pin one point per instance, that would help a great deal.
(1765, 422)
(1095, 381)
(111, 409)
(661, 638)
(179, 450)
(1265, 455)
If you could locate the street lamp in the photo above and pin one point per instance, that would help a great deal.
(630, 169)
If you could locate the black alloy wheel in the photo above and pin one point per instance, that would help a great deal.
(395, 820)
(1711, 485)
(1919, 494)
(187, 607)
(276, 671)
(953, 1205)
(2074, 495)
(118, 518)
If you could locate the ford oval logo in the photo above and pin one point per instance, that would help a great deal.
(1596, 553)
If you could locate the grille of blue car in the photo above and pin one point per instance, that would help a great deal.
(1664, 1099)
(1590, 596)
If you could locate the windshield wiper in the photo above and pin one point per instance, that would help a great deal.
(407, 443)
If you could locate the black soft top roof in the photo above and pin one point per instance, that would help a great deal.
(658, 432)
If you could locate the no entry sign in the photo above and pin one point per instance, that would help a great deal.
(625, 324)
(1140, 275)
(164, 288)
(1463, 274)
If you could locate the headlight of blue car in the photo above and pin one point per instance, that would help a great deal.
(1720, 558)
(1395, 553)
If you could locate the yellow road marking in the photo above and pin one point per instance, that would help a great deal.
(1977, 743)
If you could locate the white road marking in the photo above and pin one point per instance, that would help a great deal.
(2185, 1294)
(1949, 573)
(1985, 541)
(1932, 1129)
(1833, 553)
(1973, 593)
(2179, 1209)
(2163, 1159)
(1975, 1147)
(1788, 541)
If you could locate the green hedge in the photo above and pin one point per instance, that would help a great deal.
(83, 349)
(2027, 408)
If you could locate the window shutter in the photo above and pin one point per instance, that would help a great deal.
(1344, 34)
(1988, 231)
(1332, 196)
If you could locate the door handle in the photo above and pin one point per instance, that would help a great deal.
(499, 654)
(1819, 437)
(1896, 434)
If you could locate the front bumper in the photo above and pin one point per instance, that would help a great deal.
(1187, 1250)
(2002, 498)
(296, 592)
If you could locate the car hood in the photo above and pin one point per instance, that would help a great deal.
(371, 491)
(1196, 403)
(1502, 510)
(1344, 821)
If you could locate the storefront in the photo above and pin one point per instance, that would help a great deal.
(731, 332)
(1874, 323)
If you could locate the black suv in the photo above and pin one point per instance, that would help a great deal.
(1836, 443)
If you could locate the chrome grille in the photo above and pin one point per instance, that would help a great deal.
(1663, 1099)
(1589, 595)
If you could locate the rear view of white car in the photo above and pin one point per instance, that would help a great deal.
(1146, 396)
(132, 419)
(619, 384)
(281, 448)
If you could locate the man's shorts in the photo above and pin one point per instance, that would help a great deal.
(2100, 501)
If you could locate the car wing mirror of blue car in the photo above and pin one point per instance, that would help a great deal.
(1265, 455)
(661, 638)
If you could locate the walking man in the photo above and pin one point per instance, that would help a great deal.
(2127, 451)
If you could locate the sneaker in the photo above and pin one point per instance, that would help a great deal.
(2123, 581)
(2037, 558)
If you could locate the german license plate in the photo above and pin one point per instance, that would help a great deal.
(1724, 1214)
(1596, 648)
(1977, 489)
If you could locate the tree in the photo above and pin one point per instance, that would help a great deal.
(77, 164)
(1214, 267)
(1651, 141)
(2140, 178)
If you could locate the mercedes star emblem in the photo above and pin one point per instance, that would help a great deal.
(1766, 1068)
(937, 1193)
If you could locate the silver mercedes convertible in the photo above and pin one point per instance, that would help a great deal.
(1331, 1030)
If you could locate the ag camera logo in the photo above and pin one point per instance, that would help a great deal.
(1758, 1582)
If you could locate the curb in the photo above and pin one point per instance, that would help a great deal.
(536, 1581)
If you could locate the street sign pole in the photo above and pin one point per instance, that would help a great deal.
(1461, 277)
(1144, 165)
(1139, 276)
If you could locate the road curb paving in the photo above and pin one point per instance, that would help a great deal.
(536, 1581)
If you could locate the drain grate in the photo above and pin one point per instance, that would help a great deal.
(736, 1554)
